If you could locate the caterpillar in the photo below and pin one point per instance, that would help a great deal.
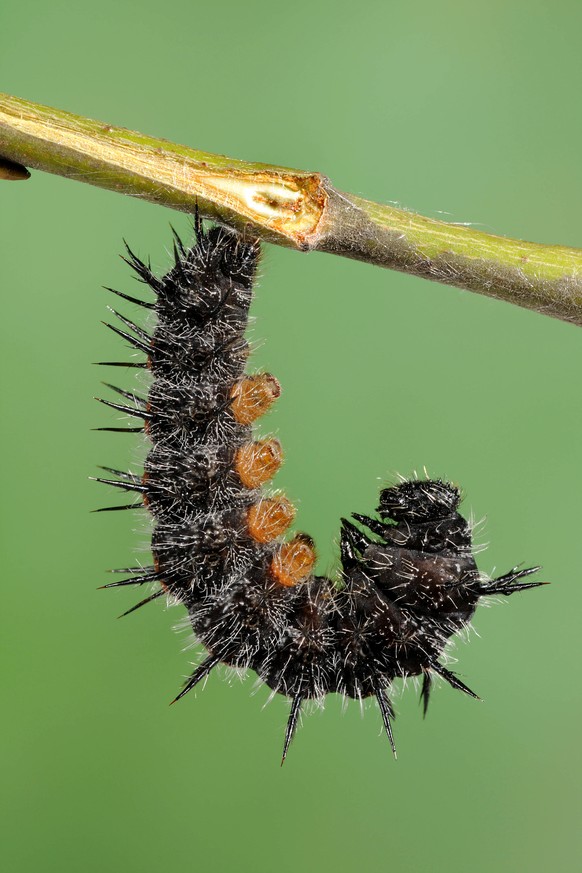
(407, 580)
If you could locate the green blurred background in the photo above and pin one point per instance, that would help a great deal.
(471, 111)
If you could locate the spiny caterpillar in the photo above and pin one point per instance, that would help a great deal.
(405, 586)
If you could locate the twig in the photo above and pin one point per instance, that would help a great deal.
(289, 207)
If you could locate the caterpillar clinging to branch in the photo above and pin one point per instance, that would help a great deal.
(408, 579)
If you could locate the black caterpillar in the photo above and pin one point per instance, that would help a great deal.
(403, 589)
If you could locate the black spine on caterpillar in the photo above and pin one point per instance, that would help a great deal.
(404, 588)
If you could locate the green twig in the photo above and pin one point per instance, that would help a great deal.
(289, 207)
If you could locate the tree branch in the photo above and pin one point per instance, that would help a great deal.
(288, 207)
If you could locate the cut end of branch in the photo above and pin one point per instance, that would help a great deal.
(287, 204)
(12, 172)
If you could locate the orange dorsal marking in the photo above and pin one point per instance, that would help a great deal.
(256, 463)
(294, 561)
(269, 518)
(253, 396)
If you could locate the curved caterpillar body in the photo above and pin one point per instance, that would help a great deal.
(408, 579)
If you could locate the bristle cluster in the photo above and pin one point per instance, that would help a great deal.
(219, 544)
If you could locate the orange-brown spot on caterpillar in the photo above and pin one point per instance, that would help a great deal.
(256, 463)
(269, 518)
(294, 561)
(157, 570)
(144, 481)
(146, 424)
(253, 396)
